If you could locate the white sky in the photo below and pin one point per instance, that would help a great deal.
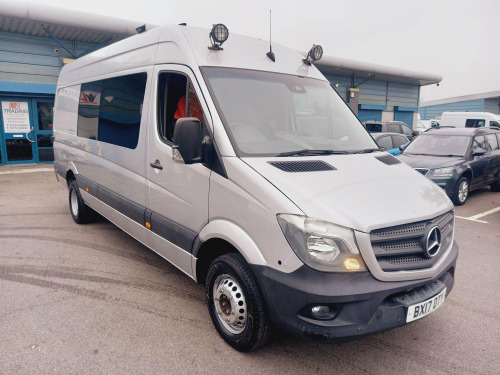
(458, 39)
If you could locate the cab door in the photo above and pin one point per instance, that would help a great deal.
(177, 205)
(17, 133)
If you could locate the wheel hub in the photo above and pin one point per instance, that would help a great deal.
(229, 302)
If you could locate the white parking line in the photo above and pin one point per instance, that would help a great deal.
(485, 213)
(482, 214)
(470, 219)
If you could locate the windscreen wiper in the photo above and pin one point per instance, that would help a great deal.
(366, 151)
(308, 152)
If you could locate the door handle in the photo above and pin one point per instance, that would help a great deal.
(156, 165)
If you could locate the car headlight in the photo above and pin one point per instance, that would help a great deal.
(443, 172)
(321, 245)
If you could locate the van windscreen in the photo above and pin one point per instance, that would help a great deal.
(267, 114)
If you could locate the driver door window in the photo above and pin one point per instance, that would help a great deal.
(176, 99)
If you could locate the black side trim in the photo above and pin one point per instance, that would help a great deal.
(60, 170)
(173, 232)
(302, 166)
(196, 246)
(165, 228)
(147, 216)
(126, 207)
(87, 185)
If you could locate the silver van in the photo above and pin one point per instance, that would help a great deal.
(246, 170)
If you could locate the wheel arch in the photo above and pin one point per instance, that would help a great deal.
(221, 237)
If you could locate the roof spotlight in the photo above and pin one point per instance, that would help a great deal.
(314, 54)
(218, 35)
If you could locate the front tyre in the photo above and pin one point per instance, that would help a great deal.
(461, 191)
(236, 304)
(80, 212)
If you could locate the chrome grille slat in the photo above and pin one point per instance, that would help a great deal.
(402, 247)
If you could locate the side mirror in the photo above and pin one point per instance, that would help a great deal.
(478, 151)
(187, 147)
(415, 133)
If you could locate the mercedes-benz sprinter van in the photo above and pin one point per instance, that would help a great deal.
(246, 170)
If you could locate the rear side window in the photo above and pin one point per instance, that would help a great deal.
(474, 123)
(398, 140)
(493, 141)
(374, 128)
(393, 128)
(110, 110)
(385, 142)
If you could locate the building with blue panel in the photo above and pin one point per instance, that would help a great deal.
(484, 102)
(37, 40)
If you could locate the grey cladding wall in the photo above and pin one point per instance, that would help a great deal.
(33, 59)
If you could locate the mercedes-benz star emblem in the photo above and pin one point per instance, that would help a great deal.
(433, 242)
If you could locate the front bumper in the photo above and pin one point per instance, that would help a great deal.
(448, 184)
(360, 304)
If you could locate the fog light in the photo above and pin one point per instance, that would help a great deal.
(321, 312)
(314, 54)
(218, 35)
(351, 264)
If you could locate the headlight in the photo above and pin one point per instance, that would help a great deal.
(443, 172)
(322, 245)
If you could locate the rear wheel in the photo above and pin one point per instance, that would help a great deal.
(461, 191)
(80, 212)
(236, 304)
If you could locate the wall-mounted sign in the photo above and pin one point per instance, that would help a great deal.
(16, 117)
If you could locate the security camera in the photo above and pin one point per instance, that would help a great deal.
(437, 84)
(56, 50)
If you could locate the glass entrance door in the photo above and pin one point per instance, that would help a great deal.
(17, 131)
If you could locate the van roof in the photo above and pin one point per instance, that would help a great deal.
(460, 131)
(186, 46)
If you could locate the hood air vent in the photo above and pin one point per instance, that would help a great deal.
(302, 166)
(388, 159)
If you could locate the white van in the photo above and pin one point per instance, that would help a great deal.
(469, 119)
(247, 171)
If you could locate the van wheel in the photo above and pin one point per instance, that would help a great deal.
(80, 212)
(236, 304)
(461, 191)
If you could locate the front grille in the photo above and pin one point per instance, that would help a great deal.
(424, 171)
(403, 247)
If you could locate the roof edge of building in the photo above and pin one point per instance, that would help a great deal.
(376, 69)
(463, 98)
(48, 14)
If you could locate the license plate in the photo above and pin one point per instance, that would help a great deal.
(419, 310)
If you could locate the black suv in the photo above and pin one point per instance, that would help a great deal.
(457, 159)
(390, 127)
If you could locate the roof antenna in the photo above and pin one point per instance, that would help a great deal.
(270, 54)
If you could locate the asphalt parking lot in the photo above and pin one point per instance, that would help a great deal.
(89, 299)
